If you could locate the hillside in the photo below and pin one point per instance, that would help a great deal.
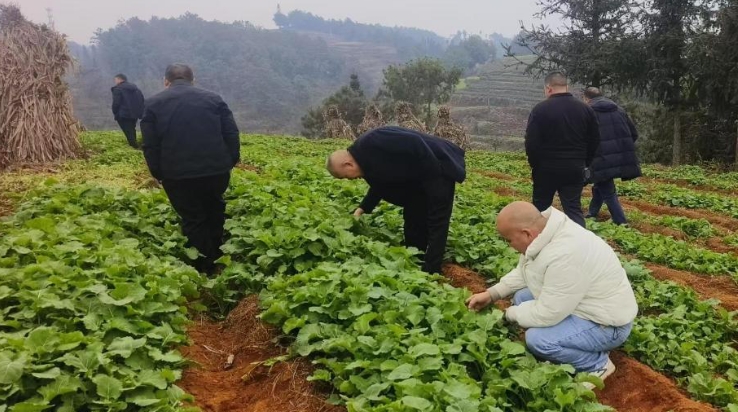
(363, 58)
(494, 105)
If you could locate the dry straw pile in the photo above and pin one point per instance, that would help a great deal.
(36, 120)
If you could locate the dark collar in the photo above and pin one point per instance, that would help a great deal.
(181, 82)
(565, 94)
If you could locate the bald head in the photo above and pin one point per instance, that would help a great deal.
(342, 165)
(555, 83)
(520, 223)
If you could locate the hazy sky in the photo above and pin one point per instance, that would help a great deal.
(80, 18)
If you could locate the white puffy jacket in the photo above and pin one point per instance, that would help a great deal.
(569, 270)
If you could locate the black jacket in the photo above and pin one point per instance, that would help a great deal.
(189, 132)
(562, 135)
(128, 101)
(616, 157)
(403, 166)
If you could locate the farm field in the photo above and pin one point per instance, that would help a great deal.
(321, 312)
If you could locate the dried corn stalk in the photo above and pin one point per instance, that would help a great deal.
(36, 120)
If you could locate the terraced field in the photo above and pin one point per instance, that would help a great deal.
(495, 104)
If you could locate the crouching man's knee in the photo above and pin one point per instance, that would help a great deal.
(538, 344)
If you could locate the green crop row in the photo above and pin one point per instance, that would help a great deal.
(93, 294)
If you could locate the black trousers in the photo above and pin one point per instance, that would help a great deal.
(427, 218)
(199, 203)
(569, 186)
(129, 129)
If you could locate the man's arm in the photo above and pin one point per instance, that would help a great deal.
(151, 143)
(439, 194)
(593, 136)
(533, 138)
(564, 287)
(117, 98)
(509, 284)
(229, 129)
(371, 200)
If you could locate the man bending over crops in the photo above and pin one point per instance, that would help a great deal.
(191, 143)
(569, 287)
(410, 169)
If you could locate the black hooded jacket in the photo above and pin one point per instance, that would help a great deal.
(616, 157)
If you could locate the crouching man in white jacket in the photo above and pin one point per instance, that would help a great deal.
(569, 287)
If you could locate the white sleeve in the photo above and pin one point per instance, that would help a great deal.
(510, 283)
(564, 287)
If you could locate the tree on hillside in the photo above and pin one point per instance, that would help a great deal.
(597, 47)
(469, 52)
(421, 82)
(670, 27)
(713, 61)
(351, 103)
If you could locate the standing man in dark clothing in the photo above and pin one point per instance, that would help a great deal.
(128, 107)
(191, 143)
(561, 141)
(616, 157)
(410, 169)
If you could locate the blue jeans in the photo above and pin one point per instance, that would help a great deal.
(605, 192)
(574, 341)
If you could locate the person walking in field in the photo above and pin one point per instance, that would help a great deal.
(410, 169)
(128, 107)
(191, 144)
(561, 141)
(616, 157)
(569, 289)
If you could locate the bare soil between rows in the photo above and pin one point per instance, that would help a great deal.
(634, 387)
(248, 385)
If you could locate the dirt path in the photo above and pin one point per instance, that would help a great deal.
(248, 386)
(681, 183)
(724, 223)
(722, 288)
(634, 387)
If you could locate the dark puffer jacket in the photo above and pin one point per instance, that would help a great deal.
(616, 157)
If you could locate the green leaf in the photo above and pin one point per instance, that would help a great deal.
(401, 372)
(108, 387)
(416, 403)
(63, 384)
(422, 349)
(84, 361)
(42, 339)
(152, 378)
(30, 406)
(52, 373)
(11, 370)
(143, 397)
(460, 390)
(125, 346)
(123, 294)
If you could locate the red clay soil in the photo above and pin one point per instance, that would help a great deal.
(644, 227)
(687, 185)
(724, 223)
(499, 176)
(249, 385)
(722, 288)
(251, 168)
(634, 387)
